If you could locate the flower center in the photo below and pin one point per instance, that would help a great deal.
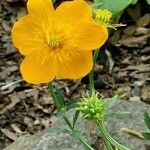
(54, 41)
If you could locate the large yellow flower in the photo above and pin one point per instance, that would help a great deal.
(57, 43)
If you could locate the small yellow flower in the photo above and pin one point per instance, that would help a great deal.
(104, 18)
(57, 43)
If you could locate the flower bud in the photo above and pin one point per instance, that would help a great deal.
(92, 107)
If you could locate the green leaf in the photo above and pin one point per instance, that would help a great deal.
(75, 118)
(60, 96)
(148, 1)
(114, 6)
(134, 2)
(62, 112)
(57, 96)
(72, 104)
(147, 119)
(68, 123)
(146, 135)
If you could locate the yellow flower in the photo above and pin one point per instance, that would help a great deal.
(57, 43)
(104, 18)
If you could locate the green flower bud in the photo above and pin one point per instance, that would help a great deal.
(92, 107)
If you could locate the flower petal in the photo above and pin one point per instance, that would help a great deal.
(73, 11)
(40, 10)
(90, 35)
(26, 36)
(77, 66)
(38, 69)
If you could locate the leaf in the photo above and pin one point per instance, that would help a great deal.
(114, 6)
(75, 117)
(146, 135)
(72, 104)
(60, 96)
(68, 122)
(62, 112)
(57, 96)
(147, 119)
(134, 2)
(148, 1)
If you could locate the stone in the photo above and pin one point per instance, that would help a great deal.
(53, 141)
(134, 120)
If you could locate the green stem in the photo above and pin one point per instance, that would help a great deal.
(68, 123)
(56, 102)
(91, 74)
(95, 55)
(108, 144)
(105, 133)
(91, 82)
(85, 144)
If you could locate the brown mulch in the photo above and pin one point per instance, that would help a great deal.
(123, 66)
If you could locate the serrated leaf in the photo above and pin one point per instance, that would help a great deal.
(147, 119)
(146, 135)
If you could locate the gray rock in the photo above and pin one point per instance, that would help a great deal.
(52, 141)
(134, 120)
(56, 141)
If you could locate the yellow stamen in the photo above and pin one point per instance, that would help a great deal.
(54, 40)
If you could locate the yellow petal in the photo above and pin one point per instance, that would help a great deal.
(26, 36)
(40, 10)
(73, 11)
(38, 69)
(90, 35)
(77, 66)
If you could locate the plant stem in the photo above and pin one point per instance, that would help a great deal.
(85, 144)
(91, 74)
(105, 133)
(91, 82)
(95, 55)
(108, 145)
(56, 102)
